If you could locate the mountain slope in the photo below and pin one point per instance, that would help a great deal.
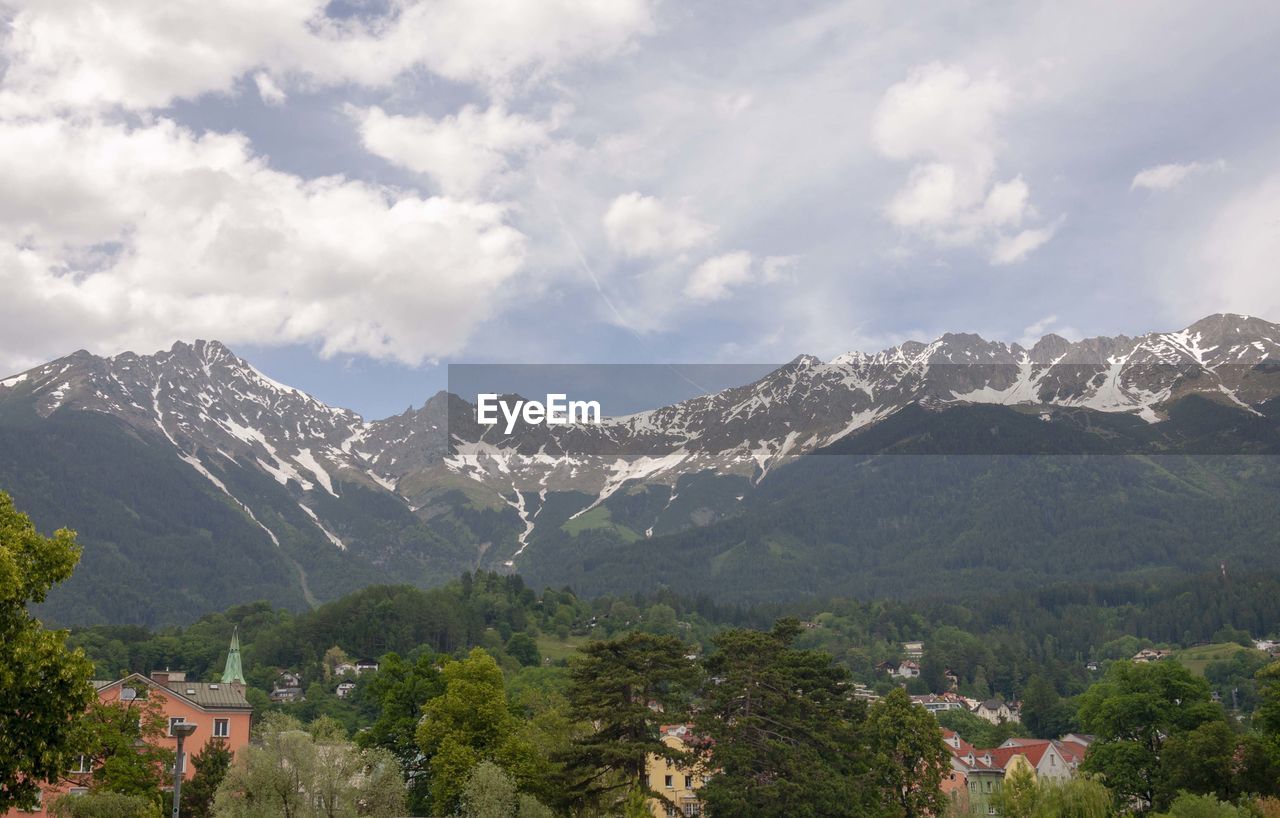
(895, 518)
(197, 481)
(271, 501)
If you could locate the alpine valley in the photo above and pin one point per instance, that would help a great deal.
(922, 470)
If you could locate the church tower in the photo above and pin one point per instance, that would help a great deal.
(233, 674)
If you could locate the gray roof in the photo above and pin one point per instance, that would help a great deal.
(210, 695)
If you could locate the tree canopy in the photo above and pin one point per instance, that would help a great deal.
(44, 686)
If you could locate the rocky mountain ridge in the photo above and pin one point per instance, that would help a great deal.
(242, 431)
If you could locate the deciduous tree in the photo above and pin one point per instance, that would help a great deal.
(1134, 711)
(121, 742)
(908, 757)
(1188, 805)
(44, 686)
(104, 805)
(471, 722)
(288, 772)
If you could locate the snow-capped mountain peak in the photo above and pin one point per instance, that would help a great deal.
(219, 414)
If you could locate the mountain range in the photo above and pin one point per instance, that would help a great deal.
(195, 481)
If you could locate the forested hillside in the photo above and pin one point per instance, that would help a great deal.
(959, 501)
(994, 641)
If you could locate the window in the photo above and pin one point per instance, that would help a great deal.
(693, 809)
(221, 728)
(688, 782)
(666, 782)
(175, 720)
(79, 791)
(81, 765)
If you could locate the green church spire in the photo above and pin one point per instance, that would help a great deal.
(233, 671)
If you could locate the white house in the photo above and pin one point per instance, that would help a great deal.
(994, 711)
(1049, 759)
(907, 670)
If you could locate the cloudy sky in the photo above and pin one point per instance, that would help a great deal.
(355, 194)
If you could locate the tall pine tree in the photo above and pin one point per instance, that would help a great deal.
(626, 688)
(784, 729)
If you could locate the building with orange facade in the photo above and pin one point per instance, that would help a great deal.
(219, 711)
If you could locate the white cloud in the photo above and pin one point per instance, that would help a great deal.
(1015, 248)
(268, 90)
(466, 153)
(129, 237)
(1235, 268)
(135, 234)
(1007, 203)
(142, 54)
(716, 277)
(641, 226)
(940, 112)
(1048, 324)
(946, 122)
(730, 106)
(778, 268)
(1167, 177)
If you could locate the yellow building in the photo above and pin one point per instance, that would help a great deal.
(679, 783)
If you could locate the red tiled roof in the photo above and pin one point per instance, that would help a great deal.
(1072, 752)
(966, 749)
(1034, 751)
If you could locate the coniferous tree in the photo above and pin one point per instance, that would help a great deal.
(401, 689)
(784, 732)
(1043, 711)
(626, 687)
(211, 765)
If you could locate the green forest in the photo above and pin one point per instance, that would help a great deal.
(1054, 651)
(491, 697)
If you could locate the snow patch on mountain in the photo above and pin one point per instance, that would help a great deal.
(333, 538)
(308, 461)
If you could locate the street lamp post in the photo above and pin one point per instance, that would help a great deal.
(181, 731)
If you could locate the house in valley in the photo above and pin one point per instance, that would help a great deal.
(678, 782)
(219, 711)
(995, 711)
